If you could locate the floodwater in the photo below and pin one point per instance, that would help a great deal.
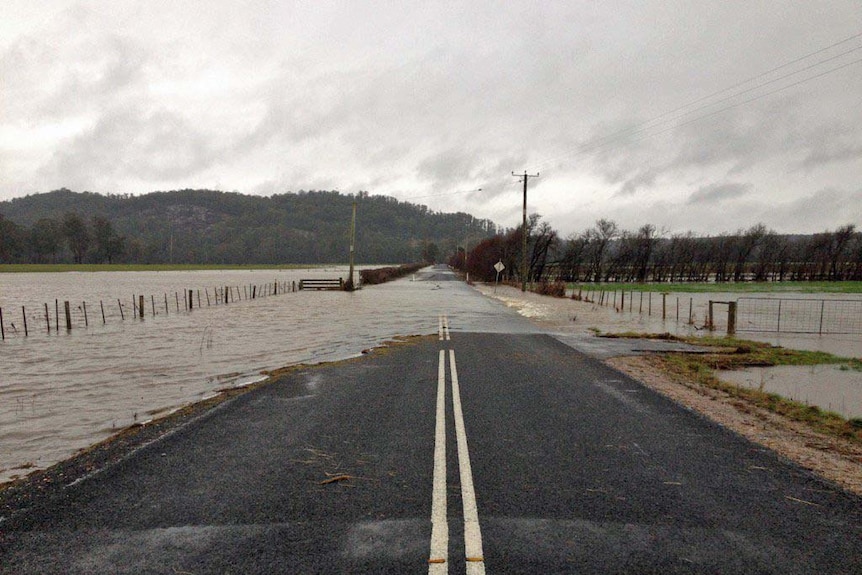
(829, 387)
(65, 391)
(686, 314)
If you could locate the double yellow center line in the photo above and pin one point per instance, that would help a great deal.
(439, 553)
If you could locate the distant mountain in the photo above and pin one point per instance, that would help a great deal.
(206, 226)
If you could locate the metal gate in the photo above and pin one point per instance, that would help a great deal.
(821, 316)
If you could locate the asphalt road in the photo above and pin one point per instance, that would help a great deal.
(460, 452)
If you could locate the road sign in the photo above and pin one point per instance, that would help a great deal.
(499, 266)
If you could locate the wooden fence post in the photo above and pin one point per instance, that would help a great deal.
(86, 320)
(2, 329)
(68, 316)
(24, 313)
(141, 305)
(47, 318)
(731, 318)
(120, 305)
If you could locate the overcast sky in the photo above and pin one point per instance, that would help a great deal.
(637, 111)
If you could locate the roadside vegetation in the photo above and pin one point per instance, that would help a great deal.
(699, 370)
(383, 275)
(748, 260)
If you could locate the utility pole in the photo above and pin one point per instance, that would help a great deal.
(526, 176)
(352, 245)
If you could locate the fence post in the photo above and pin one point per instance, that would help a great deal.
(141, 305)
(778, 328)
(24, 313)
(47, 318)
(86, 320)
(68, 316)
(120, 305)
(710, 325)
(102, 305)
(663, 306)
(731, 318)
(822, 305)
(2, 329)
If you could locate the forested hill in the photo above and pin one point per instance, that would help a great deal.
(205, 226)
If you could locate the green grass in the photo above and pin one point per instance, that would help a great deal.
(732, 353)
(728, 287)
(56, 268)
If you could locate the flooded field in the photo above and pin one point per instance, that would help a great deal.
(67, 390)
(827, 386)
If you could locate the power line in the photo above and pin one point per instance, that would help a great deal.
(726, 108)
(658, 120)
(762, 74)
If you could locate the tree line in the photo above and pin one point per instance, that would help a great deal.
(213, 227)
(607, 253)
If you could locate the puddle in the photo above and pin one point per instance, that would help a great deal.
(826, 386)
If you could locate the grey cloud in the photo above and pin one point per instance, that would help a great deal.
(715, 193)
(130, 142)
(830, 144)
(646, 179)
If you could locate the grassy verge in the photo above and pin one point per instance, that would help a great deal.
(728, 287)
(56, 268)
(730, 353)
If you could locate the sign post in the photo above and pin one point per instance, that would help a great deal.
(499, 267)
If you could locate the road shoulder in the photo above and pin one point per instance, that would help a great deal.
(829, 457)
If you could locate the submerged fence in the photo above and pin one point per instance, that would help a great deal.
(66, 315)
(820, 316)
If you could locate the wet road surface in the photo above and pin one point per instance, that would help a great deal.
(464, 451)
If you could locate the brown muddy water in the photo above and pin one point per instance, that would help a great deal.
(829, 387)
(65, 391)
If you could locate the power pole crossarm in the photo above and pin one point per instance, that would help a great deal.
(526, 177)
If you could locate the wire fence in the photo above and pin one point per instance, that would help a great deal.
(66, 316)
(784, 315)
